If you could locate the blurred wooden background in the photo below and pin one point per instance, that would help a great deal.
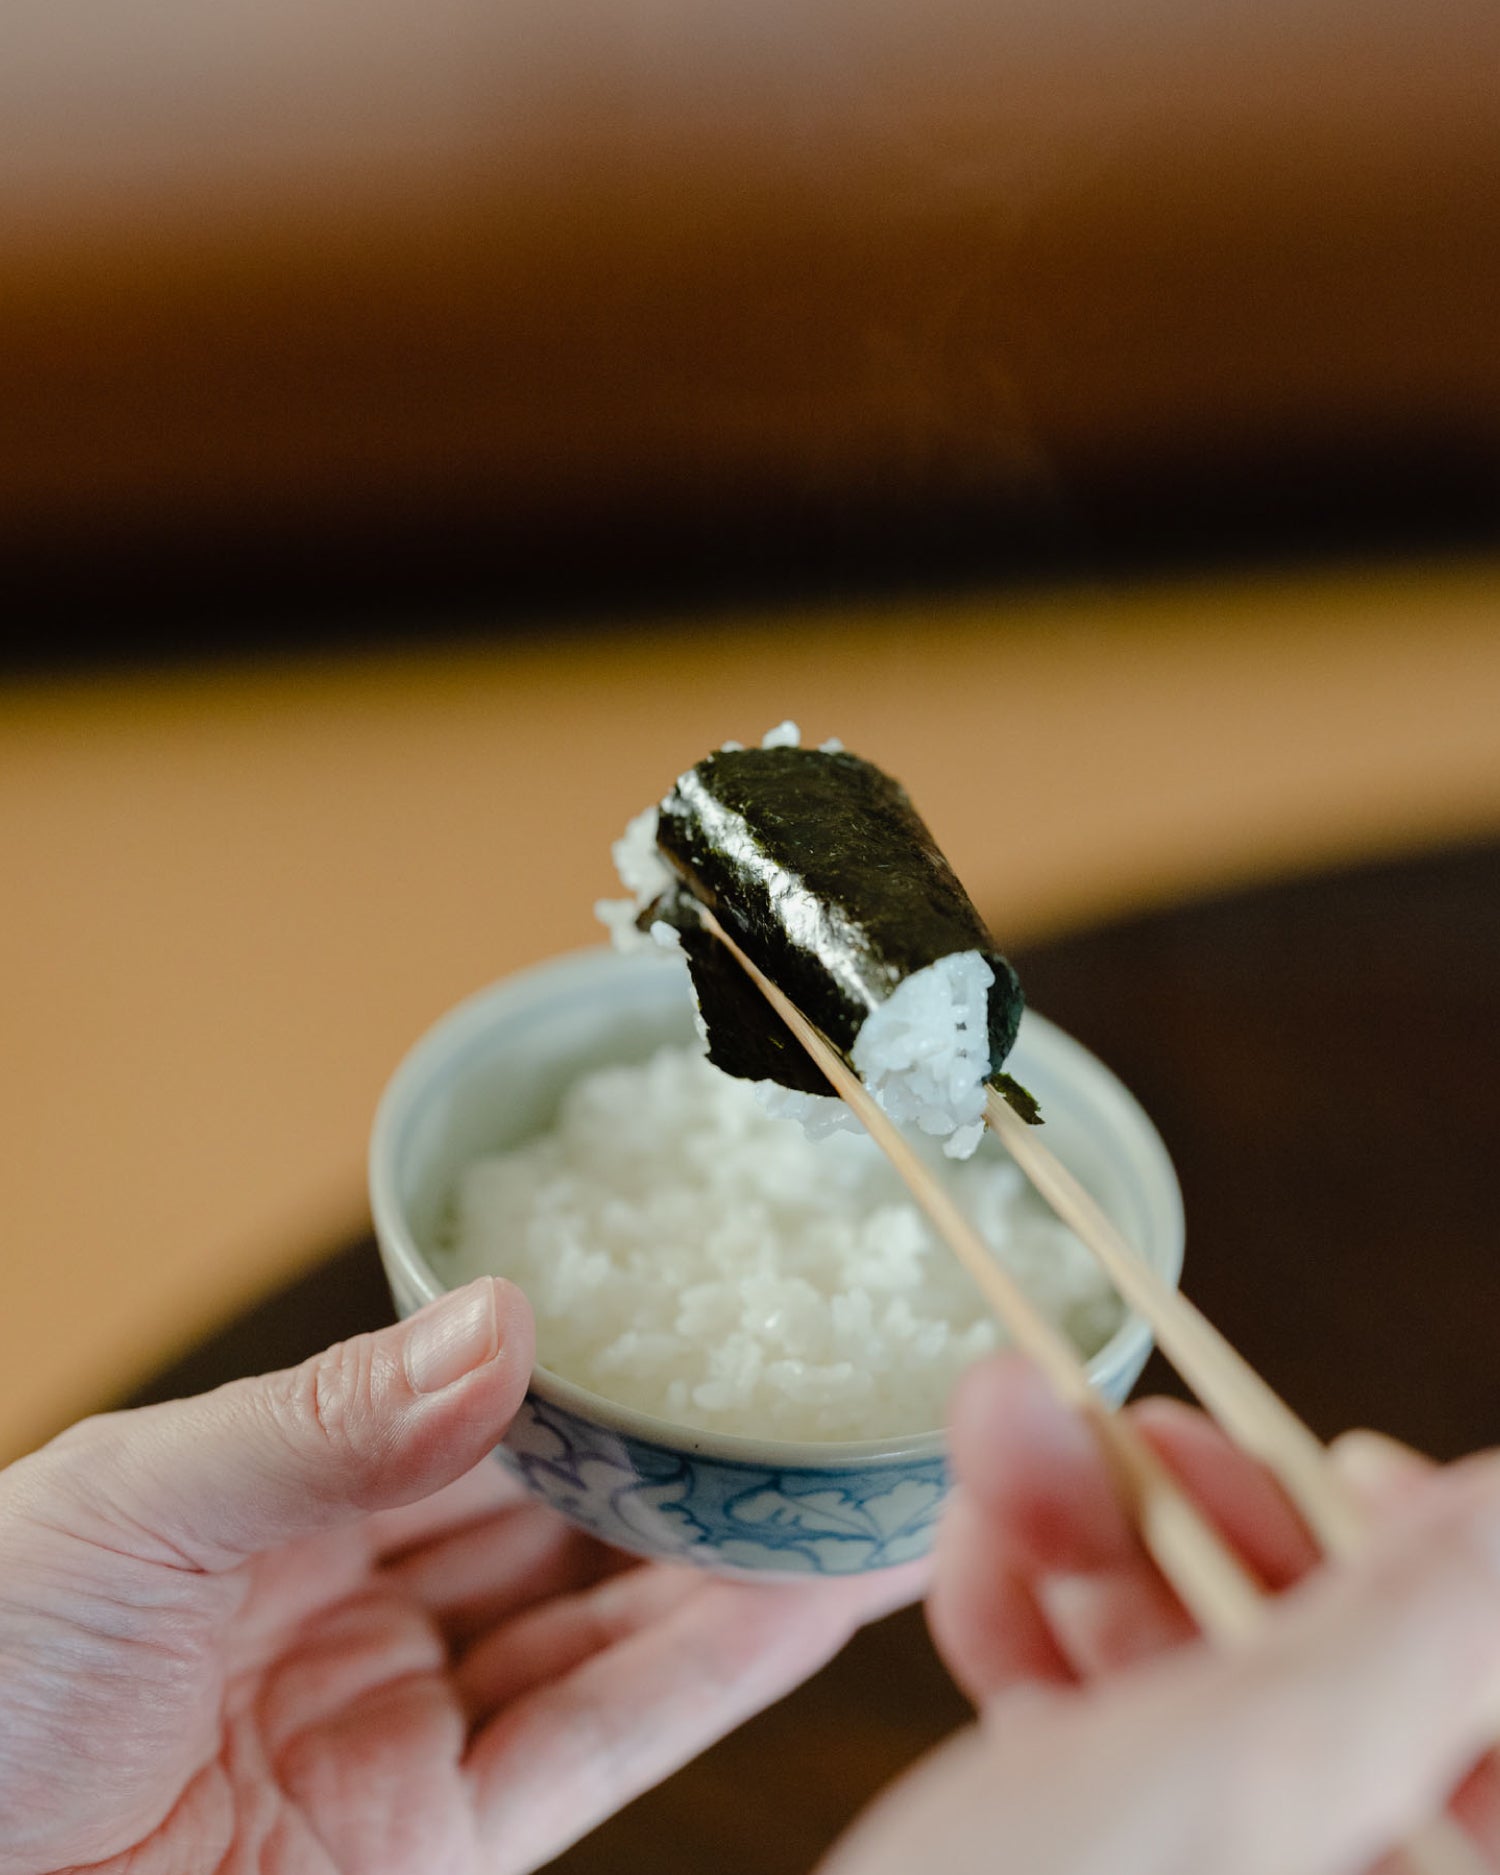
(491, 300)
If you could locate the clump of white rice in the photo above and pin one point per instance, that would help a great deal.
(924, 1053)
(690, 1255)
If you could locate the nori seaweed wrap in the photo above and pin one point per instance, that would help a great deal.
(818, 866)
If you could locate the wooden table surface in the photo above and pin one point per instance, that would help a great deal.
(236, 895)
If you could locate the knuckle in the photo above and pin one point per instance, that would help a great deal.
(326, 1401)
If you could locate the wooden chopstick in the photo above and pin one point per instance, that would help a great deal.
(1240, 1398)
(1244, 1403)
(1206, 1574)
(1211, 1579)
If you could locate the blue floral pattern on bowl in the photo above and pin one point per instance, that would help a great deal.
(720, 1513)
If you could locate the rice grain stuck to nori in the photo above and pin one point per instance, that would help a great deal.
(818, 866)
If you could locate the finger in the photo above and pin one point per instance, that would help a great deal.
(984, 1614)
(1037, 1467)
(347, 1793)
(560, 1758)
(477, 1576)
(1382, 1470)
(1111, 1618)
(1238, 1494)
(1040, 1577)
(1476, 1803)
(1329, 1737)
(548, 1641)
(484, 1489)
(1387, 1476)
(553, 1638)
(353, 1648)
(1054, 1519)
(1036, 1470)
(375, 1422)
(1371, 1692)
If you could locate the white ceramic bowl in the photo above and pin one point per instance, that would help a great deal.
(491, 1073)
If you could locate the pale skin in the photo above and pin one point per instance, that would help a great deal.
(305, 1625)
(1111, 1740)
(302, 1624)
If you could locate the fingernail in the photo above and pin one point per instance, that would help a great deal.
(1376, 1465)
(451, 1337)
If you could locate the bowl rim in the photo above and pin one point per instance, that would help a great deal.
(453, 1033)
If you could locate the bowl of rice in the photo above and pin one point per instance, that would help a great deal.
(745, 1336)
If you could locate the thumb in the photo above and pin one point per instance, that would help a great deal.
(1348, 1722)
(371, 1423)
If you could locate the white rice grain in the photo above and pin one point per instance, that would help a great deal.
(692, 1256)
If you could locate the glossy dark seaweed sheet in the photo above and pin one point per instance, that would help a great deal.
(820, 868)
(746, 1037)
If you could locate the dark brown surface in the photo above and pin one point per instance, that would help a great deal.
(1320, 1057)
(476, 299)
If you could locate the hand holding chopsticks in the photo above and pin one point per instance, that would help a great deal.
(1208, 1577)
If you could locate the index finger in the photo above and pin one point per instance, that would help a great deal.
(560, 1758)
(486, 1488)
(1040, 1574)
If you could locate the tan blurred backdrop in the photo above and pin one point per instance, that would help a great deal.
(356, 292)
(237, 897)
